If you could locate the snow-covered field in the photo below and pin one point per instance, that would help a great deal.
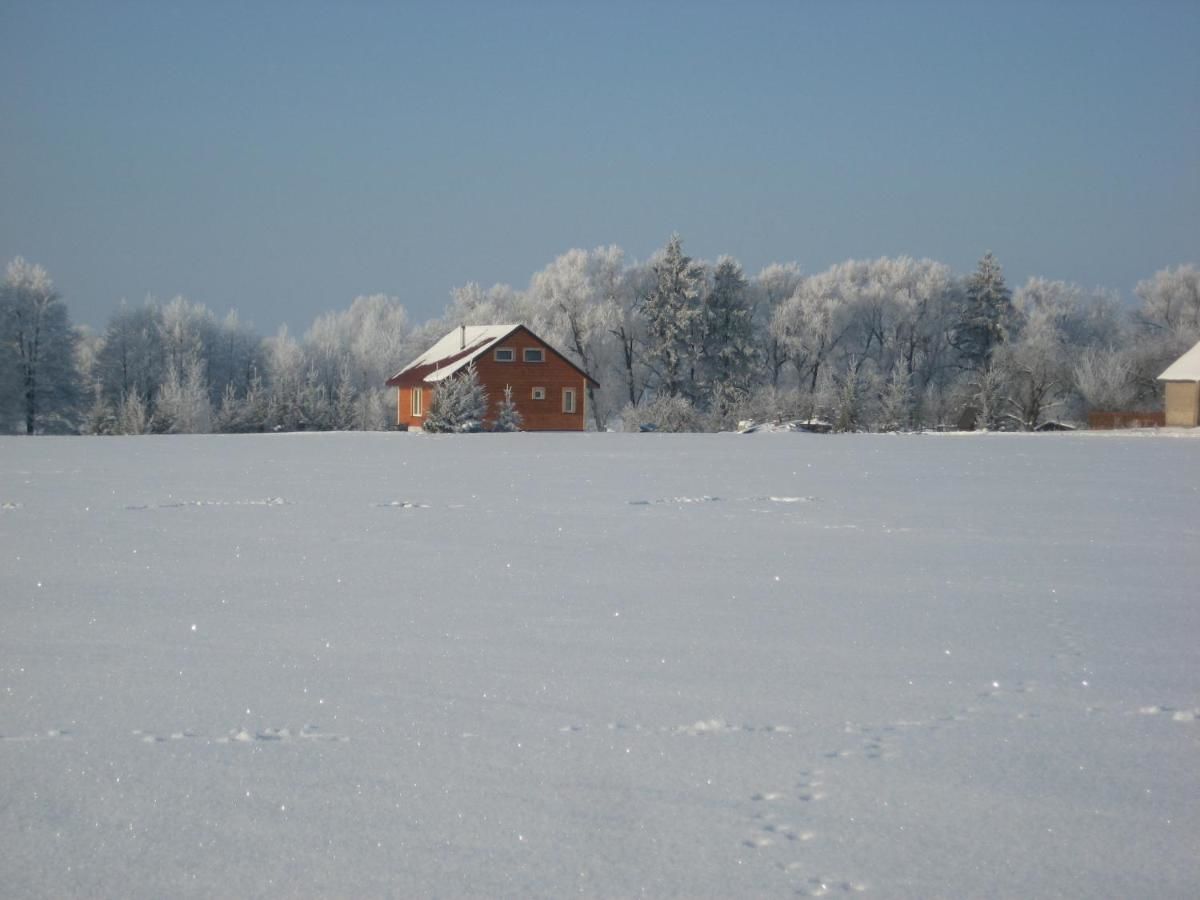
(607, 665)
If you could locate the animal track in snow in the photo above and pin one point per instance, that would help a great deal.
(181, 504)
(48, 735)
(824, 886)
(708, 498)
(245, 736)
(9, 505)
(401, 504)
(677, 500)
(720, 726)
(1177, 715)
(700, 728)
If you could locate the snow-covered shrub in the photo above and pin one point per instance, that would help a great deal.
(663, 413)
(508, 417)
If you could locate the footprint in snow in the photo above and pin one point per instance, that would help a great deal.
(675, 500)
(401, 504)
(182, 504)
(48, 735)
(1177, 715)
(244, 736)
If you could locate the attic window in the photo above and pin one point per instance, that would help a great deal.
(539, 393)
(535, 354)
(505, 354)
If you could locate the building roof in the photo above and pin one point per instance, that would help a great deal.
(1186, 368)
(455, 351)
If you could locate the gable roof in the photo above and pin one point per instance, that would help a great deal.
(456, 350)
(1186, 368)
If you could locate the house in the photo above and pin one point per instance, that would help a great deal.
(548, 389)
(1182, 380)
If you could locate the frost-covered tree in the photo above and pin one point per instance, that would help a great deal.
(812, 324)
(896, 399)
(665, 412)
(574, 304)
(1106, 379)
(508, 417)
(629, 329)
(986, 315)
(132, 415)
(459, 403)
(39, 385)
(673, 314)
(1171, 301)
(1036, 377)
(849, 396)
(769, 289)
(986, 388)
(182, 405)
(729, 348)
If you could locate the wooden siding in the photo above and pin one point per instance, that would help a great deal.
(1182, 403)
(553, 374)
(1106, 421)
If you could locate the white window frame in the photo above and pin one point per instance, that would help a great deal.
(541, 355)
(510, 355)
(538, 393)
(418, 398)
(568, 398)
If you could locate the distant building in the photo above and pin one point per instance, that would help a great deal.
(548, 389)
(1182, 381)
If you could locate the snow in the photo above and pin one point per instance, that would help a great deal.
(476, 337)
(599, 664)
(1186, 368)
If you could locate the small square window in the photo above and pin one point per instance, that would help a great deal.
(505, 354)
(533, 354)
(539, 393)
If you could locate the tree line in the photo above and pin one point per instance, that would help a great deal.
(675, 343)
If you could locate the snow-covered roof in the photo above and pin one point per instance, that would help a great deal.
(457, 349)
(1186, 368)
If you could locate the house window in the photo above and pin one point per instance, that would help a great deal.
(416, 400)
(535, 354)
(505, 354)
(568, 400)
(539, 393)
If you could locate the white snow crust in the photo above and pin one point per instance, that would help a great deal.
(605, 665)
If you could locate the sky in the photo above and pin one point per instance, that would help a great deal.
(281, 159)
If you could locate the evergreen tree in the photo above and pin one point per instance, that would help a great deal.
(729, 346)
(986, 315)
(672, 313)
(508, 417)
(459, 403)
(39, 384)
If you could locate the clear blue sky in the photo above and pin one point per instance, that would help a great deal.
(281, 159)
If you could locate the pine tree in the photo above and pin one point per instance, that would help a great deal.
(508, 417)
(672, 313)
(986, 316)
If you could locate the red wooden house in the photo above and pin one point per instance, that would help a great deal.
(548, 389)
